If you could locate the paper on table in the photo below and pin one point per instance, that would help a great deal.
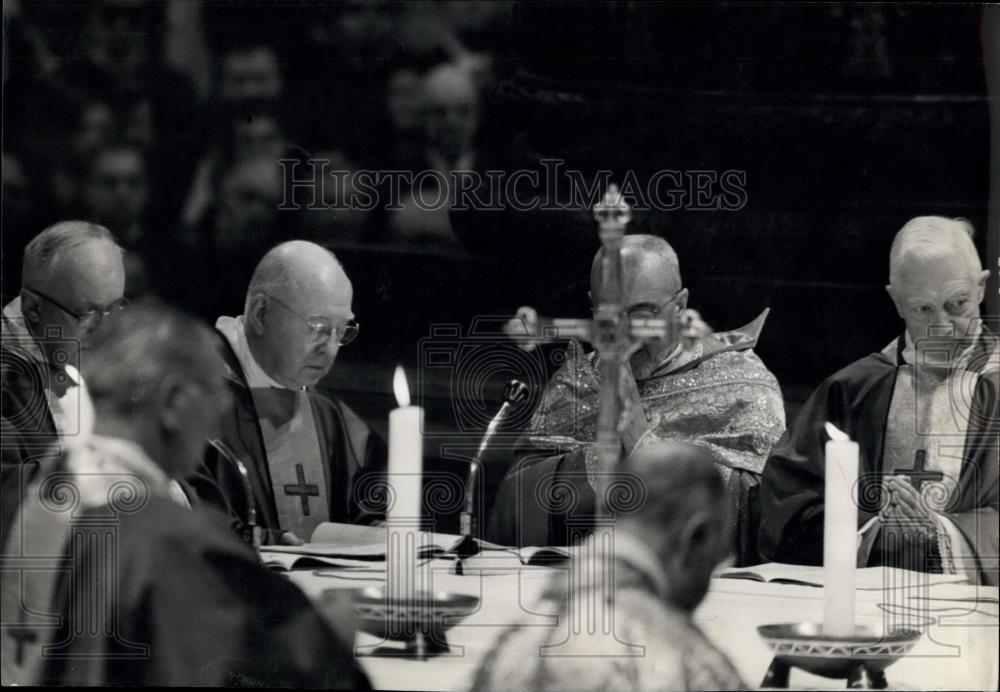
(347, 534)
(282, 561)
(332, 541)
(868, 578)
(495, 561)
(369, 552)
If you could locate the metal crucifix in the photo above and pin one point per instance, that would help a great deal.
(613, 335)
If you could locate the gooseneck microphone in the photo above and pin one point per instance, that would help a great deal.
(515, 393)
(252, 533)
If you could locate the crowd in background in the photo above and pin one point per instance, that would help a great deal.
(165, 121)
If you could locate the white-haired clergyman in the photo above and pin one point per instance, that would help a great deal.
(73, 278)
(925, 412)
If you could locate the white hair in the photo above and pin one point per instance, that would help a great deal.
(45, 251)
(933, 237)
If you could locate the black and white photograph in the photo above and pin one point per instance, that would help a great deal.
(461, 345)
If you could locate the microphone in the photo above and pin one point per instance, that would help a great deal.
(515, 393)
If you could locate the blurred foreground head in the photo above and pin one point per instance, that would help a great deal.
(156, 378)
(684, 518)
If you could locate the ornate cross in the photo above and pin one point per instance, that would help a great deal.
(302, 489)
(919, 475)
(612, 334)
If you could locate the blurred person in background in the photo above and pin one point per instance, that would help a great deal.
(450, 105)
(15, 220)
(338, 218)
(240, 221)
(116, 195)
(250, 72)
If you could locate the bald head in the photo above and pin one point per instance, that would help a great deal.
(680, 479)
(298, 302)
(651, 288)
(685, 517)
(649, 266)
(298, 266)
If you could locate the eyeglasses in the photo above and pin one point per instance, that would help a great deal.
(648, 311)
(322, 329)
(87, 320)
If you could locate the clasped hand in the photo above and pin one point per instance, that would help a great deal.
(902, 506)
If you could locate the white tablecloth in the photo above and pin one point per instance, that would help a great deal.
(957, 651)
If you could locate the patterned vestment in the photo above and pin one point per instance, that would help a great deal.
(715, 392)
(653, 645)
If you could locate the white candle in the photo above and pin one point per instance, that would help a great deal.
(840, 526)
(405, 462)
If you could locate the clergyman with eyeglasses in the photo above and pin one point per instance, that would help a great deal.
(288, 458)
(711, 390)
(73, 278)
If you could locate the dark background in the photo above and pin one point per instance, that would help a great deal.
(848, 120)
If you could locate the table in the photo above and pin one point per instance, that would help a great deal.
(957, 651)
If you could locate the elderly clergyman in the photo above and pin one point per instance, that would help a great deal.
(924, 411)
(665, 548)
(713, 390)
(305, 455)
(111, 578)
(73, 278)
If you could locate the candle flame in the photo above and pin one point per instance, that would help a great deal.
(400, 387)
(835, 433)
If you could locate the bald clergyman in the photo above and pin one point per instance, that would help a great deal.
(304, 454)
(713, 391)
(924, 411)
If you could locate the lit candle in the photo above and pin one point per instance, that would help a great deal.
(405, 451)
(840, 526)
(405, 461)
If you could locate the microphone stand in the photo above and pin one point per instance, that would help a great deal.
(252, 534)
(516, 392)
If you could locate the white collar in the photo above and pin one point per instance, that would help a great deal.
(910, 347)
(15, 331)
(234, 329)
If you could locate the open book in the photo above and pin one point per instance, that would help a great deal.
(494, 559)
(867, 579)
(348, 545)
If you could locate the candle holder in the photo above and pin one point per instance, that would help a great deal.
(420, 622)
(861, 657)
